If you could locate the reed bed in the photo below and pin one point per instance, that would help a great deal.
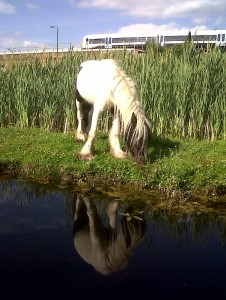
(182, 90)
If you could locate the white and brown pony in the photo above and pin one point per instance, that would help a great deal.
(103, 85)
(106, 244)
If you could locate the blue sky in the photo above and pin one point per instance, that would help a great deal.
(27, 22)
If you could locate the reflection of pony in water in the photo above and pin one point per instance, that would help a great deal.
(107, 249)
(103, 85)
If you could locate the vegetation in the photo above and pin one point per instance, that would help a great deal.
(182, 90)
(177, 168)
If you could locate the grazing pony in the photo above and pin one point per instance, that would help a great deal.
(103, 85)
(106, 245)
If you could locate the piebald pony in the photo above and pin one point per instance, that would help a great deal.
(103, 85)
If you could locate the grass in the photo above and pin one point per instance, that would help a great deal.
(176, 167)
(196, 166)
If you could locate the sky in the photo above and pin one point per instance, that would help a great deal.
(28, 22)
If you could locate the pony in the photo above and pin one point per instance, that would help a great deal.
(103, 85)
(105, 244)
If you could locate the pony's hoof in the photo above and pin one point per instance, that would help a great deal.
(87, 203)
(119, 154)
(81, 137)
(122, 155)
(79, 140)
(88, 157)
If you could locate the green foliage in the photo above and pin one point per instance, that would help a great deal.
(134, 215)
(182, 90)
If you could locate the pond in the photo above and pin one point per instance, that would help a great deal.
(68, 244)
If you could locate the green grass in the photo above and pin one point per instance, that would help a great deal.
(176, 167)
(197, 167)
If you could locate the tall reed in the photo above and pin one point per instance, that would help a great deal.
(182, 90)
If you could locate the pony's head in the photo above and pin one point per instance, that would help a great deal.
(137, 136)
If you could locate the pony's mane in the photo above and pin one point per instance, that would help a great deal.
(124, 93)
(135, 125)
(123, 244)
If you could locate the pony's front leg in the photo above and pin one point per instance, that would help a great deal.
(115, 148)
(87, 149)
(111, 210)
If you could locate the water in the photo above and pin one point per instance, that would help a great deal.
(63, 245)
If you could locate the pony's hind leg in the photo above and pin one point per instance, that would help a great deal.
(115, 148)
(87, 149)
(80, 133)
(84, 115)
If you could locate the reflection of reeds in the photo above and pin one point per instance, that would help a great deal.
(194, 223)
(23, 194)
(184, 225)
(183, 92)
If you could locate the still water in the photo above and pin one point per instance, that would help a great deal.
(57, 244)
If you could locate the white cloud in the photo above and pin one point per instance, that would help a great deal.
(6, 8)
(31, 44)
(160, 9)
(150, 27)
(15, 42)
(200, 20)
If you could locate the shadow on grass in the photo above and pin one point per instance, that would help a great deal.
(161, 147)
